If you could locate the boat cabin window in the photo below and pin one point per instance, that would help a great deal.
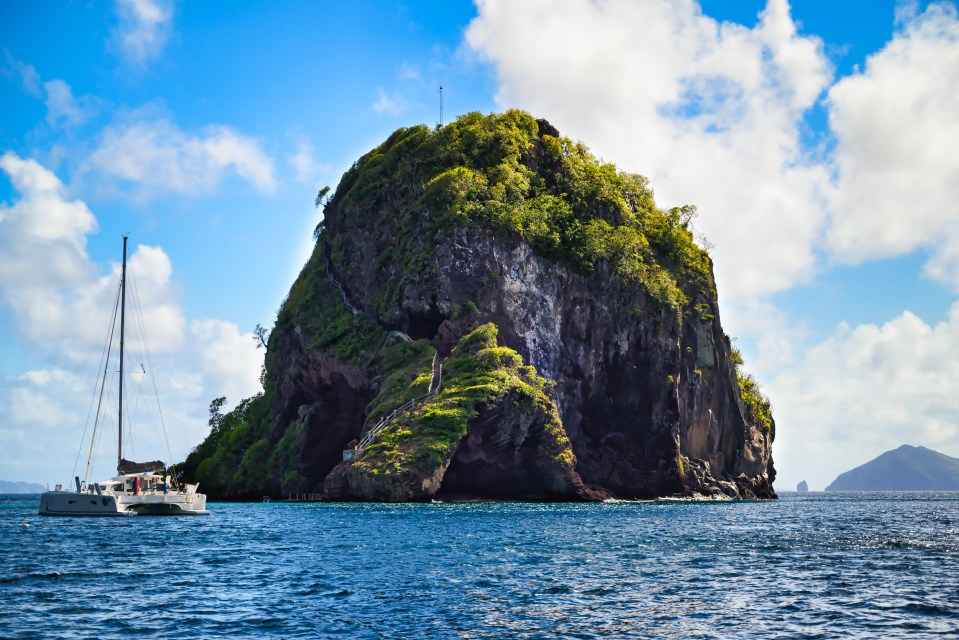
(118, 487)
(146, 483)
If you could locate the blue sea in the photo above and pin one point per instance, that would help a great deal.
(806, 566)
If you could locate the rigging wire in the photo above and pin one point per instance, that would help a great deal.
(139, 324)
(94, 436)
(104, 363)
(108, 410)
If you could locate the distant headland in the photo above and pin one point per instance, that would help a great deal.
(904, 469)
(21, 487)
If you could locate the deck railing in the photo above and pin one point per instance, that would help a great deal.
(382, 423)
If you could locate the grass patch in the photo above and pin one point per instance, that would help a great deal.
(406, 374)
(478, 372)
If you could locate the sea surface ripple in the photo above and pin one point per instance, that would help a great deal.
(807, 566)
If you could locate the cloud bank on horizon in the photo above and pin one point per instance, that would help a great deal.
(714, 114)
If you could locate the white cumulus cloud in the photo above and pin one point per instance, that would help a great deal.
(152, 156)
(897, 133)
(44, 212)
(47, 278)
(144, 28)
(710, 111)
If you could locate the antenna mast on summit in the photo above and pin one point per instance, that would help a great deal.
(441, 105)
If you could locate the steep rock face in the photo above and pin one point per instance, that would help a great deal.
(320, 398)
(577, 323)
(636, 388)
(490, 430)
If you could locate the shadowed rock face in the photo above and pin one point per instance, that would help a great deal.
(499, 455)
(635, 391)
(601, 368)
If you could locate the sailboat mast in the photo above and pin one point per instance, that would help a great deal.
(123, 306)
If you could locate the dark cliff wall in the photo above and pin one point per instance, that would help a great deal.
(606, 333)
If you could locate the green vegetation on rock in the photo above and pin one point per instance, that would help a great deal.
(315, 310)
(235, 457)
(407, 368)
(516, 176)
(757, 404)
(478, 372)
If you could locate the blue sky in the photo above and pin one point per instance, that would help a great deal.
(816, 139)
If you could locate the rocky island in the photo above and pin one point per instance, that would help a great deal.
(490, 312)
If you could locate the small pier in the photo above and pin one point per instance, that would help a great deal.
(302, 497)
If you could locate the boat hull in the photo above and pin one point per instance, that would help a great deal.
(88, 504)
(167, 510)
(72, 503)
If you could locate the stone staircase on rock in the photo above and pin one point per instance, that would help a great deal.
(351, 455)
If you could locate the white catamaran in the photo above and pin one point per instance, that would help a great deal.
(138, 488)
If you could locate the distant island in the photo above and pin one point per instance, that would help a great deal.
(904, 469)
(21, 487)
